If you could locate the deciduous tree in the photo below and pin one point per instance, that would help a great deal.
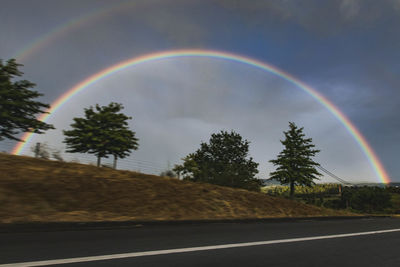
(103, 131)
(222, 161)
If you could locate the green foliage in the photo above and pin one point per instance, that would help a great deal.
(362, 199)
(103, 131)
(395, 200)
(295, 165)
(18, 110)
(223, 161)
(319, 194)
(324, 189)
(276, 190)
(366, 199)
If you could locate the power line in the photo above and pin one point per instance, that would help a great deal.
(334, 176)
(149, 167)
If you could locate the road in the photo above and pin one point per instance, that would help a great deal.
(297, 243)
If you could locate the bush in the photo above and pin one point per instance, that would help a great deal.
(168, 173)
(362, 199)
(366, 199)
(333, 204)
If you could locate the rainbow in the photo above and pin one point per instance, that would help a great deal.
(366, 148)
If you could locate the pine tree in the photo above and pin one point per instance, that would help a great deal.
(102, 132)
(18, 109)
(223, 161)
(295, 165)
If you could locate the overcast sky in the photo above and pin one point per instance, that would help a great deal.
(345, 49)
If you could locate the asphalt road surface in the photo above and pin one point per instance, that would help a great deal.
(353, 242)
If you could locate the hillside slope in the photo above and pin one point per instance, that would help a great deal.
(40, 190)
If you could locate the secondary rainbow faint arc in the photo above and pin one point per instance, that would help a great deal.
(62, 29)
(366, 148)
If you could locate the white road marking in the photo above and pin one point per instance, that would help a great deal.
(182, 250)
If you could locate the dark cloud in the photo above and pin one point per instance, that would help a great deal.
(346, 49)
(322, 17)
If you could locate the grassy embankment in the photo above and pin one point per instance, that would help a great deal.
(47, 191)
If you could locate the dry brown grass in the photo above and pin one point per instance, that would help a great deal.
(47, 191)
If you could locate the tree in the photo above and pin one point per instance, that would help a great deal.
(56, 154)
(295, 165)
(223, 162)
(104, 131)
(18, 109)
(41, 150)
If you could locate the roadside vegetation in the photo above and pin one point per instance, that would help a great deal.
(361, 199)
(46, 190)
(103, 131)
(223, 161)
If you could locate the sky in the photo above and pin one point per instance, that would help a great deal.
(347, 50)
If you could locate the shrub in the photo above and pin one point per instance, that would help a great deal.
(366, 199)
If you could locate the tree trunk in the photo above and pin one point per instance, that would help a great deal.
(291, 189)
(115, 162)
(98, 161)
(37, 150)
